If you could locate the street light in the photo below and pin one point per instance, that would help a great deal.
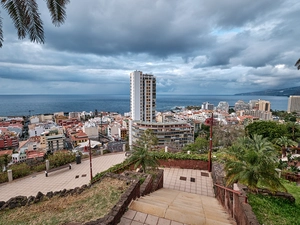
(210, 142)
(91, 168)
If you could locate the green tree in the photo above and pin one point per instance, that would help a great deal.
(201, 145)
(268, 129)
(26, 17)
(142, 151)
(252, 162)
(293, 130)
(4, 160)
(285, 142)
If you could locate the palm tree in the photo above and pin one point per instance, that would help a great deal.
(142, 151)
(285, 142)
(144, 158)
(26, 17)
(252, 162)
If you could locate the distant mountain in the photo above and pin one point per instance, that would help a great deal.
(275, 92)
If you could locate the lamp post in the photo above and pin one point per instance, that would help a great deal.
(91, 168)
(210, 143)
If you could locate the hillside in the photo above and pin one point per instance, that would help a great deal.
(275, 92)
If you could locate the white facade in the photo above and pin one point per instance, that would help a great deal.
(91, 129)
(294, 103)
(113, 130)
(207, 106)
(34, 119)
(223, 106)
(35, 130)
(142, 96)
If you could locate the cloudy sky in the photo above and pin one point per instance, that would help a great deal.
(191, 46)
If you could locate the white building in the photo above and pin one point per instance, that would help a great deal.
(223, 106)
(294, 103)
(207, 106)
(91, 129)
(142, 96)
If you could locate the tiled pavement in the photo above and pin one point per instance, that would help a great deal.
(187, 180)
(59, 180)
(132, 217)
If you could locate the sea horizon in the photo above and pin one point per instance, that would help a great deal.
(34, 104)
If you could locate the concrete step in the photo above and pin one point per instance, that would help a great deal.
(151, 208)
(182, 207)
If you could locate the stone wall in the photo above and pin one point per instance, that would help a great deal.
(184, 164)
(19, 201)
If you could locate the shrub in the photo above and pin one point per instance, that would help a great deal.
(61, 158)
(3, 177)
(20, 170)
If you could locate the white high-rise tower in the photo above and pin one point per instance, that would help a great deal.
(142, 96)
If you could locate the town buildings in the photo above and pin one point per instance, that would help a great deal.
(256, 108)
(294, 103)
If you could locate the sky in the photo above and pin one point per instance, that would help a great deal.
(194, 47)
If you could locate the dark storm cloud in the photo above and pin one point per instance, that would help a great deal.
(191, 46)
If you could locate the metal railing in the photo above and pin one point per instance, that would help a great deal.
(233, 191)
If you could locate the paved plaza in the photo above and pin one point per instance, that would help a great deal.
(60, 179)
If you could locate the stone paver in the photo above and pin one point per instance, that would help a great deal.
(185, 180)
(59, 180)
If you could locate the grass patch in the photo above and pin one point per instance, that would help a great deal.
(277, 211)
(91, 204)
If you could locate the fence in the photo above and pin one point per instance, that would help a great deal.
(236, 204)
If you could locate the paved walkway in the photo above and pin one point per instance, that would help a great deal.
(172, 205)
(59, 180)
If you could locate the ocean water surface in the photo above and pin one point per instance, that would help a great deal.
(22, 105)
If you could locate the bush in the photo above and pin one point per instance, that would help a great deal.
(3, 177)
(39, 167)
(61, 158)
(20, 170)
(179, 155)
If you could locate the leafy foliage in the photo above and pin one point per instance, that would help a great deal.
(179, 155)
(252, 162)
(61, 158)
(20, 170)
(142, 151)
(26, 17)
(285, 142)
(4, 160)
(200, 145)
(268, 129)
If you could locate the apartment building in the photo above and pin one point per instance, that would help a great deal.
(264, 105)
(142, 96)
(294, 103)
(52, 140)
(8, 140)
(172, 134)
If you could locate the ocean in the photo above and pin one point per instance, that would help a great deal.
(24, 105)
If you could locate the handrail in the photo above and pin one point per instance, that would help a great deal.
(233, 191)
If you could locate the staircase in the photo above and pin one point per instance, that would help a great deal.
(183, 207)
